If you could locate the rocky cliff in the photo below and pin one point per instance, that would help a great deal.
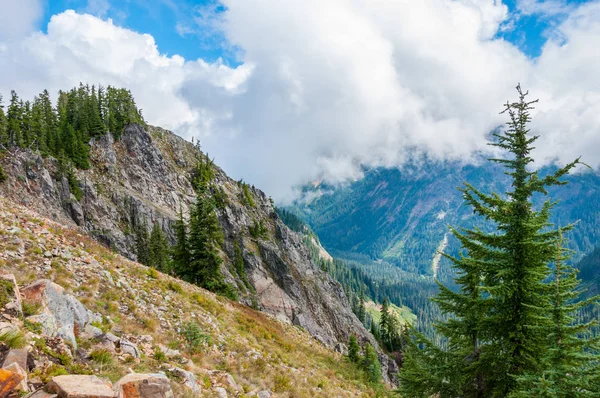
(146, 177)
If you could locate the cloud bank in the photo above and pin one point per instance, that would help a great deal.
(324, 88)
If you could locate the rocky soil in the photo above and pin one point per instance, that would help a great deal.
(79, 320)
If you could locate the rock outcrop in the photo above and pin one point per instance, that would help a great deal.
(145, 177)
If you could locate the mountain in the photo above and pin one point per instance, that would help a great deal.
(391, 224)
(76, 317)
(401, 216)
(144, 178)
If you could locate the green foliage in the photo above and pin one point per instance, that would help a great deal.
(203, 173)
(13, 339)
(175, 287)
(247, 198)
(353, 349)
(65, 129)
(158, 250)
(371, 365)
(502, 322)
(7, 292)
(194, 337)
(239, 266)
(180, 253)
(159, 355)
(102, 356)
(196, 257)
(30, 308)
(3, 175)
(258, 230)
(142, 250)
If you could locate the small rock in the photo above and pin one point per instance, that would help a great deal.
(189, 380)
(127, 347)
(80, 386)
(221, 393)
(135, 385)
(18, 356)
(264, 394)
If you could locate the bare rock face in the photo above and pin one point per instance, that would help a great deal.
(61, 314)
(145, 177)
(80, 386)
(135, 385)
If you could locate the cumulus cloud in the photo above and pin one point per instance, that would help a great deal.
(18, 18)
(326, 88)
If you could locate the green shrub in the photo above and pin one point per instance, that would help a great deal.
(194, 337)
(103, 357)
(3, 176)
(6, 292)
(13, 339)
(174, 286)
(159, 355)
(30, 308)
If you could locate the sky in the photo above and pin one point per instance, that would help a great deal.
(285, 92)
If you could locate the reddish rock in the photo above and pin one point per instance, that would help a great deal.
(9, 381)
(18, 356)
(136, 385)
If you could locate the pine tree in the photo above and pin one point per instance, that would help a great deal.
(384, 323)
(13, 121)
(361, 307)
(571, 361)
(371, 365)
(141, 243)
(3, 125)
(180, 253)
(158, 248)
(353, 349)
(205, 238)
(497, 318)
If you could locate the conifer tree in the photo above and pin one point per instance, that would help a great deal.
(497, 319)
(571, 362)
(205, 238)
(158, 248)
(353, 349)
(371, 364)
(13, 121)
(361, 307)
(384, 323)
(3, 127)
(141, 243)
(180, 253)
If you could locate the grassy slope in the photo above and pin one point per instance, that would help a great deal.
(140, 302)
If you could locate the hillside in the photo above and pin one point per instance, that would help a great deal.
(153, 310)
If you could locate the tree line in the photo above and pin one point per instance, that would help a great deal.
(63, 129)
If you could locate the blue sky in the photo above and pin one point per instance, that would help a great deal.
(161, 19)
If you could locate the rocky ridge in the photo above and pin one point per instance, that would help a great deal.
(146, 177)
(89, 318)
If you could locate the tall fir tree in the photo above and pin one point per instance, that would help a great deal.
(204, 240)
(496, 323)
(180, 252)
(158, 249)
(571, 367)
(141, 243)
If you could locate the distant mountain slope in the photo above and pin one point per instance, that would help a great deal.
(402, 217)
(589, 271)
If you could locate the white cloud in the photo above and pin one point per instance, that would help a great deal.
(18, 17)
(328, 87)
